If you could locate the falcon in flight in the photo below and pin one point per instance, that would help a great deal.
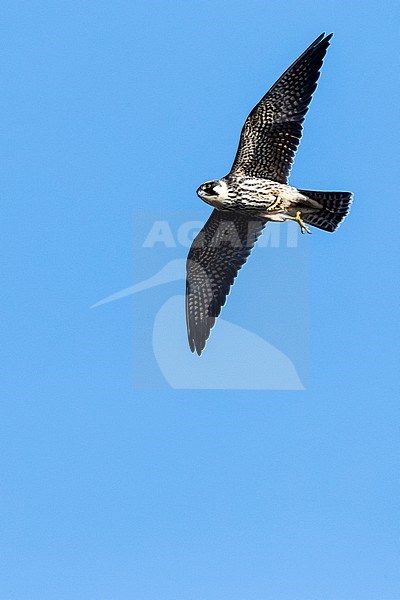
(256, 191)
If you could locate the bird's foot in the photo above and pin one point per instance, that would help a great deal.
(275, 205)
(299, 220)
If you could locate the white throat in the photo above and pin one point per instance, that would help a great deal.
(222, 190)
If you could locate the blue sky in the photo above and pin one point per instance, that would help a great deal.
(113, 492)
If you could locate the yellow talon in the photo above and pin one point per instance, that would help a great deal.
(275, 205)
(303, 226)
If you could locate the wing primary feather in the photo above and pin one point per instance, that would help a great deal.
(272, 131)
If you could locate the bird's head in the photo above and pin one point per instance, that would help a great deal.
(213, 192)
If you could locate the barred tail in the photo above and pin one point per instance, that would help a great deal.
(335, 206)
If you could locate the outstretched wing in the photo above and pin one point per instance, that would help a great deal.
(215, 257)
(272, 131)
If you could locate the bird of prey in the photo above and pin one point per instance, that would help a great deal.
(256, 191)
